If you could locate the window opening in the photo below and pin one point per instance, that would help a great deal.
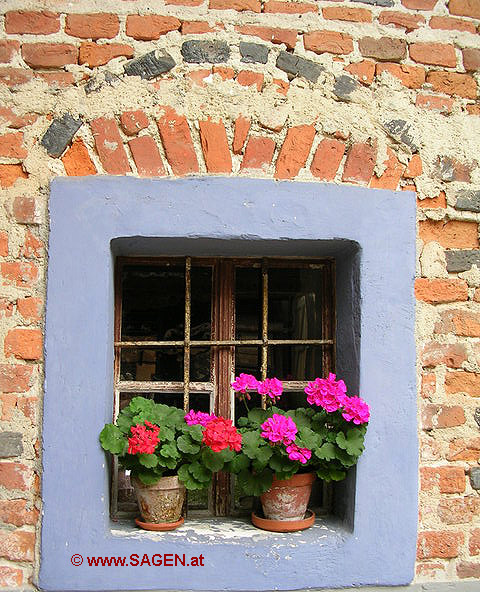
(184, 327)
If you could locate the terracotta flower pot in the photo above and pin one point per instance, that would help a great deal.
(288, 499)
(161, 502)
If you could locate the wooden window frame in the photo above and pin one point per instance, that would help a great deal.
(222, 342)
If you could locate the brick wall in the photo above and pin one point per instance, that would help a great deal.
(380, 93)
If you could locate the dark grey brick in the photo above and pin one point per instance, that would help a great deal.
(10, 444)
(475, 477)
(344, 87)
(376, 2)
(468, 200)
(253, 53)
(150, 65)
(102, 79)
(476, 416)
(60, 134)
(462, 260)
(197, 52)
(297, 66)
(399, 130)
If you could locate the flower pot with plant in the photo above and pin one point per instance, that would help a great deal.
(168, 452)
(283, 451)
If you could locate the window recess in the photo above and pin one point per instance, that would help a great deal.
(186, 326)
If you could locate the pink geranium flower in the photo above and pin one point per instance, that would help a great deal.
(271, 387)
(279, 428)
(199, 418)
(297, 453)
(355, 409)
(328, 393)
(244, 383)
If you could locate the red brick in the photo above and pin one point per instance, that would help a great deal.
(6, 308)
(328, 41)
(469, 8)
(454, 234)
(195, 28)
(327, 159)
(8, 49)
(258, 153)
(440, 291)
(177, 141)
(12, 120)
(467, 569)
(32, 247)
(452, 83)
(471, 59)
(429, 569)
(383, 48)
(451, 24)
(77, 161)
(248, 78)
(464, 323)
(21, 274)
(14, 76)
(14, 475)
(17, 545)
(11, 145)
(224, 72)
(271, 34)
(442, 416)
(49, 55)
(15, 378)
(294, 152)
(23, 22)
(340, 13)
(435, 103)
(275, 6)
(465, 450)
(150, 26)
(390, 178)
(30, 308)
(442, 544)
(414, 168)
(27, 406)
(410, 76)
(92, 26)
(283, 86)
(359, 164)
(473, 109)
(216, 152)
(419, 4)
(10, 173)
(3, 244)
(242, 126)
(109, 146)
(451, 354)
(448, 479)
(95, 55)
(401, 20)
(462, 382)
(429, 385)
(474, 543)
(184, 2)
(133, 121)
(25, 210)
(147, 157)
(24, 344)
(364, 71)
(56, 79)
(239, 5)
(434, 54)
(15, 512)
(198, 76)
(10, 577)
(440, 201)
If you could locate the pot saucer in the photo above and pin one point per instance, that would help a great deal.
(161, 526)
(284, 525)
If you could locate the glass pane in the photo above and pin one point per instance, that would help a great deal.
(295, 303)
(153, 303)
(201, 303)
(292, 400)
(200, 364)
(248, 359)
(171, 398)
(165, 363)
(200, 402)
(295, 362)
(248, 303)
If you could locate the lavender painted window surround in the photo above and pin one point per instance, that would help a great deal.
(371, 234)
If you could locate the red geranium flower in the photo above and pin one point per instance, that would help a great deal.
(220, 434)
(143, 440)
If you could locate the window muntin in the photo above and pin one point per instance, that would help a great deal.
(184, 327)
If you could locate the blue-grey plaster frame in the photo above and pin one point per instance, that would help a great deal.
(371, 234)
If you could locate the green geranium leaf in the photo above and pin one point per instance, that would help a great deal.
(242, 422)
(186, 445)
(251, 442)
(148, 460)
(327, 451)
(329, 474)
(308, 438)
(255, 484)
(239, 463)
(257, 416)
(280, 464)
(148, 478)
(352, 442)
(200, 472)
(196, 433)
(112, 439)
(169, 450)
(212, 460)
(226, 454)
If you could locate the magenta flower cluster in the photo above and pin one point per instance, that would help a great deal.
(331, 394)
(199, 418)
(270, 387)
(281, 429)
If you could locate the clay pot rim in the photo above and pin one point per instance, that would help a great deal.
(283, 525)
(159, 526)
(298, 480)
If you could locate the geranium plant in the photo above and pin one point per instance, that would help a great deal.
(326, 438)
(154, 440)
